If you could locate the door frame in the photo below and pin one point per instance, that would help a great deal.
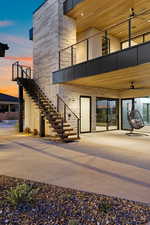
(122, 110)
(85, 96)
(117, 101)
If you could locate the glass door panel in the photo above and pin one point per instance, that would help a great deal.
(112, 114)
(106, 114)
(101, 114)
(127, 105)
(143, 106)
(85, 107)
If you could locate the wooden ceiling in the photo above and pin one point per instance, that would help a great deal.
(101, 14)
(119, 79)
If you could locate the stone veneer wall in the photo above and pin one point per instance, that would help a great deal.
(52, 32)
(45, 45)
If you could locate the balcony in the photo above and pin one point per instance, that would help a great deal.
(117, 61)
(120, 46)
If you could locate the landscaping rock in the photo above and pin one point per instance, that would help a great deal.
(55, 205)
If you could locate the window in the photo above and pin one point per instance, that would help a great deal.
(13, 108)
(4, 108)
(146, 112)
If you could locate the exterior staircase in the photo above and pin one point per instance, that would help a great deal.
(52, 114)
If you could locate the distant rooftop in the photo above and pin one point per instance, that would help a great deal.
(7, 98)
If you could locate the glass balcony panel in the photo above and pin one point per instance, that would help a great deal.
(81, 52)
(137, 41)
(147, 37)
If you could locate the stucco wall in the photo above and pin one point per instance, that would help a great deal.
(32, 117)
(71, 94)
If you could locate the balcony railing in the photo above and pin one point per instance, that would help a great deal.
(119, 36)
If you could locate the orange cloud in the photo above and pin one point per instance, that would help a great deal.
(28, 59)
(6, 85)
(9, 90)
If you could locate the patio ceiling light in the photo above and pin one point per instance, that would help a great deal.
(82, 14)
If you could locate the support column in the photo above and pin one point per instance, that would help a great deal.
(21, 108)
(42, 126)
(129, 31)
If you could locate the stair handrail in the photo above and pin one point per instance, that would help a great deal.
(23, 71)
(28, 76)
(67, 107)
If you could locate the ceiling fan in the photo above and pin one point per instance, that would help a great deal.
(133, 87)
(142, 17)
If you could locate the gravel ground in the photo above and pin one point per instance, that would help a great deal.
(55, 205)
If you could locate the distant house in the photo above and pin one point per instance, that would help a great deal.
(9, 107)
(3, 48)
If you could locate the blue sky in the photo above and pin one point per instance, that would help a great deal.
(15, 22)
(19, 13)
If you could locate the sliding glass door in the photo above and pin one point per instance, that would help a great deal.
(101, 114)
(113, 109)
(106, 114)
(127, 105)
(142, 105)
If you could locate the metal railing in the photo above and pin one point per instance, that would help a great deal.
(21, 74)
(68, 115)
(21, 71)
(105, 42)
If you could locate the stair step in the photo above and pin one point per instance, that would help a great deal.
(49, 111)
(56, 117)
(59, 130)
(71, 139)
(44, 100)
(45, 103)
(65, 126)
(56, 121)
(70, 134)
(68, 129)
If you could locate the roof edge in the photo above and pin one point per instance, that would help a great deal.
(39, 7)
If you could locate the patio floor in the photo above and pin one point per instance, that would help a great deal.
(109, 162)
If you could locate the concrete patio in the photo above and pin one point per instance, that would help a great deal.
(109, 163)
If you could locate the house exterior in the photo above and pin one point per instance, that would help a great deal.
(94, 55)
(3, 48)
(9, 107)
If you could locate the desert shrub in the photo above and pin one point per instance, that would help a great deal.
(105, 206)
(27, 130)
(73, 222)
(21, 194)
(35, 132)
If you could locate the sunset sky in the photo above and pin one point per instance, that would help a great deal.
(15, 22)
